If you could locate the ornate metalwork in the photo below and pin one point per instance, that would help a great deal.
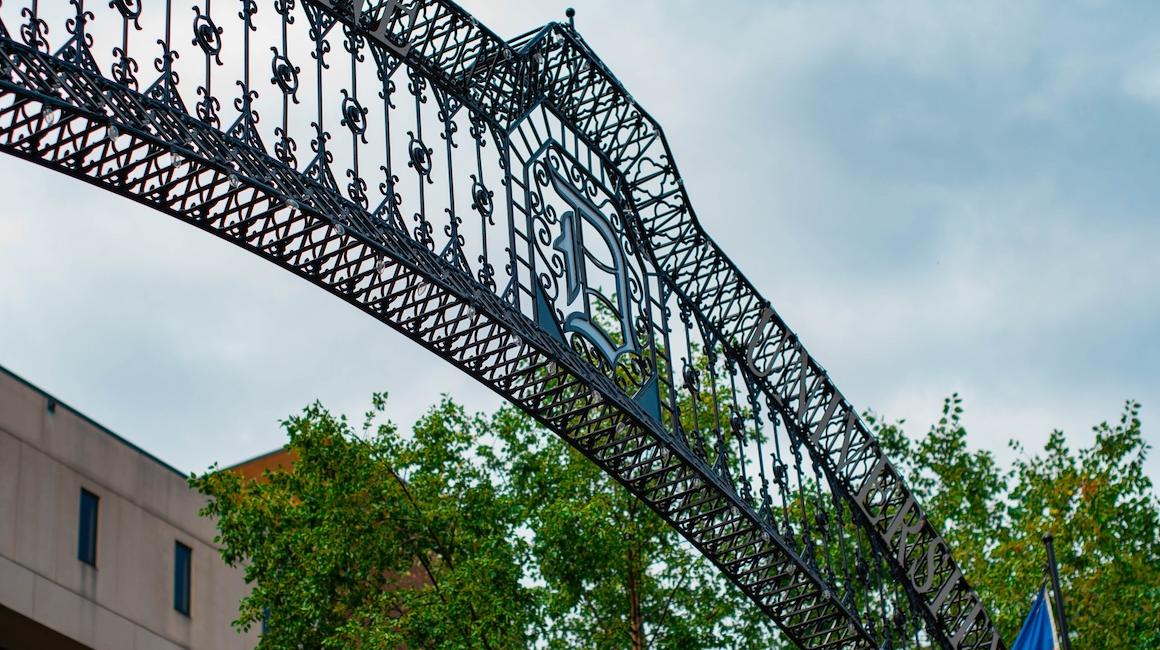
(509, 206)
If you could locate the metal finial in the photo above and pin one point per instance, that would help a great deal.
(571, 14)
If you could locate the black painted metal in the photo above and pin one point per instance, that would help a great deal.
(1057, 593)
(509, 206)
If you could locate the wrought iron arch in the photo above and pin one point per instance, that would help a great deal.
(691, 392)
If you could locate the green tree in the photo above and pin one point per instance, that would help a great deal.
(377, 540)
(488, 532)
(614, 574)
(1096, 501)
(473, 532)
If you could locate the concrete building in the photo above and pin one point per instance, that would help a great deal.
(101, 545)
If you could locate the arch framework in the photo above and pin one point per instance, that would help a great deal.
(509, 206)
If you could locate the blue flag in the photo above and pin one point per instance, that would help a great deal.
(1038, 631)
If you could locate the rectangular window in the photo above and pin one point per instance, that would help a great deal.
(183, 562)
(87, 537)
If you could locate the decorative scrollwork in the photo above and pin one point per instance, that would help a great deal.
(163, 63)
(207, 35)
(318, 143)
(450, 128)
(387, 93)
(691, 377)
(486, 273)
(285, 148)
(244, 103)
(248, 11)
(129, 9)
(354, 116)
(284, 75)
(477, 129)
(423, 231)
(76, 26)
(321, 46)
(285, 8)
(208, 107)
(353, 42)
(455, 238)
(124, 69)
(417, 85)
(357, 188)
(420, 157)
(481, 200)
(34, 31)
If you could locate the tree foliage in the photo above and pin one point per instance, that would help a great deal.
(1096, 501)
(474, 532)
(377, 540)
(485, 531)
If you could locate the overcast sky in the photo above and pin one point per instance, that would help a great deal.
(937, 196)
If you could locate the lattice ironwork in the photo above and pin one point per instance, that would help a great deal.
(509, 206)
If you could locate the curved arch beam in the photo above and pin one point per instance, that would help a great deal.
(58, 110)
(557, 67)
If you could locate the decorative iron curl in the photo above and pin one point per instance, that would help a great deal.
(284, 74)
(129, 9)
(207, 35)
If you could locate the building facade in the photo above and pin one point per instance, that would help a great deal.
(101, 545)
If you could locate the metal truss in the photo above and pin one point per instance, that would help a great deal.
(537, 236)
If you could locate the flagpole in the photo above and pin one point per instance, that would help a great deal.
(1048, 541)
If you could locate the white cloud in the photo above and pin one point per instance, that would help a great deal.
(1142, 81)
